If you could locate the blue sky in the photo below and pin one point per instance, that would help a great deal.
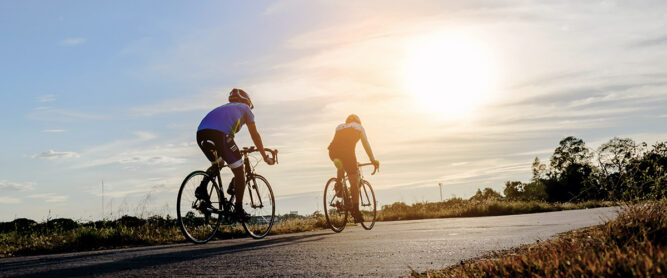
(114, 91)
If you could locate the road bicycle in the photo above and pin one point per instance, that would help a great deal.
(338, 205)
(200, 219)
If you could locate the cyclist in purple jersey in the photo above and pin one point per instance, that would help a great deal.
(342, 153)
(218, 128)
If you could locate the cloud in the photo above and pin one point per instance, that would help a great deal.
(44, 113)
(150, 159)
(46, 98)
(8, 200)
(655, 41)
(72, 41)
(139, 152)
(53, 130)
(15, 186)
(50, 197)
(51, 154)
(145, 135)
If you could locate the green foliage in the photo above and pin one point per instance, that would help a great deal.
(488, 195)
(625, 171)
(570, 150)
(532, 191)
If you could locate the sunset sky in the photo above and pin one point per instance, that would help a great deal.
(466, 93)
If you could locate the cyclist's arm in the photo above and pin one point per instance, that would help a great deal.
(257, 139)
(367, 146)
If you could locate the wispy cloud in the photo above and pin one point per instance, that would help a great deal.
(50, 114)
(72, 41)
(47, 98)
(51, 154)
(16, 186)
(9, 200)
(50, 197)
(53, 130)
(660, 40)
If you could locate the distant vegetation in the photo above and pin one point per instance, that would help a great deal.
(620, 170)
(632, 245)
(458, 207)
(576, 177)
(26, 237)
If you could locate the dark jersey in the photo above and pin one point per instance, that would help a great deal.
(346, 138)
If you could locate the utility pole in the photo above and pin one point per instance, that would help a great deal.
(440, 185)
(102, 199)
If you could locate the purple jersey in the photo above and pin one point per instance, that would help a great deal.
(228, 118)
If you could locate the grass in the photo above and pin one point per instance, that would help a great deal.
(25, 237)
(469, 208)
(632, 245)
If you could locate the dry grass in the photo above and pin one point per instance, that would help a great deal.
(470, 208)
(46, 238)
(633, 245)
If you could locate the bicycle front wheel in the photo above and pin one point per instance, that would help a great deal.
(367, 205)
(258, 201)
(199, 219)
(334, 205)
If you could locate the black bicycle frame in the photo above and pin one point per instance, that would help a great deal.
(250, 177)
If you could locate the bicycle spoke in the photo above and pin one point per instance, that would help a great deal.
(261, 215)
(334, 210)
(368, 209)
(197, 223)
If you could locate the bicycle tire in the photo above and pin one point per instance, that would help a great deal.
(260, 222)
(334, 207)
(190, 217)
(369, 213)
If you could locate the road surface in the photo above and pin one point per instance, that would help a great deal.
(387, 250)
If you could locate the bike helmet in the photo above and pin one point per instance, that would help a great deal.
(353, 118)
(238, 95)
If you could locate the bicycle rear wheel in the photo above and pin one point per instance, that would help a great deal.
(258, 201)
(367, 205)
(199, 220)
(334, 206)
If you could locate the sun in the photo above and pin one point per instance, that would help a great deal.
(449, 74)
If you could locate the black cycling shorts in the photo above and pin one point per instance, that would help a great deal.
(349, 160)
(224, 146)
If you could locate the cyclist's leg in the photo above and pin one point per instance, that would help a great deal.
(207, 138)
(350, 165)
(235, 161)
(340, 172)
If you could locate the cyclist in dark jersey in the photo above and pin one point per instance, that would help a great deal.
(342, 153)
(219, 127)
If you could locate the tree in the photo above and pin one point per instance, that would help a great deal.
(571, 176)
(535, 191)
(616, 155)
(513, 190)
(570, 150)
(614, 159)
(539, 169)
(487, 194)
(647, 175)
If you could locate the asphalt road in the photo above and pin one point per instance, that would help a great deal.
(387, 250)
